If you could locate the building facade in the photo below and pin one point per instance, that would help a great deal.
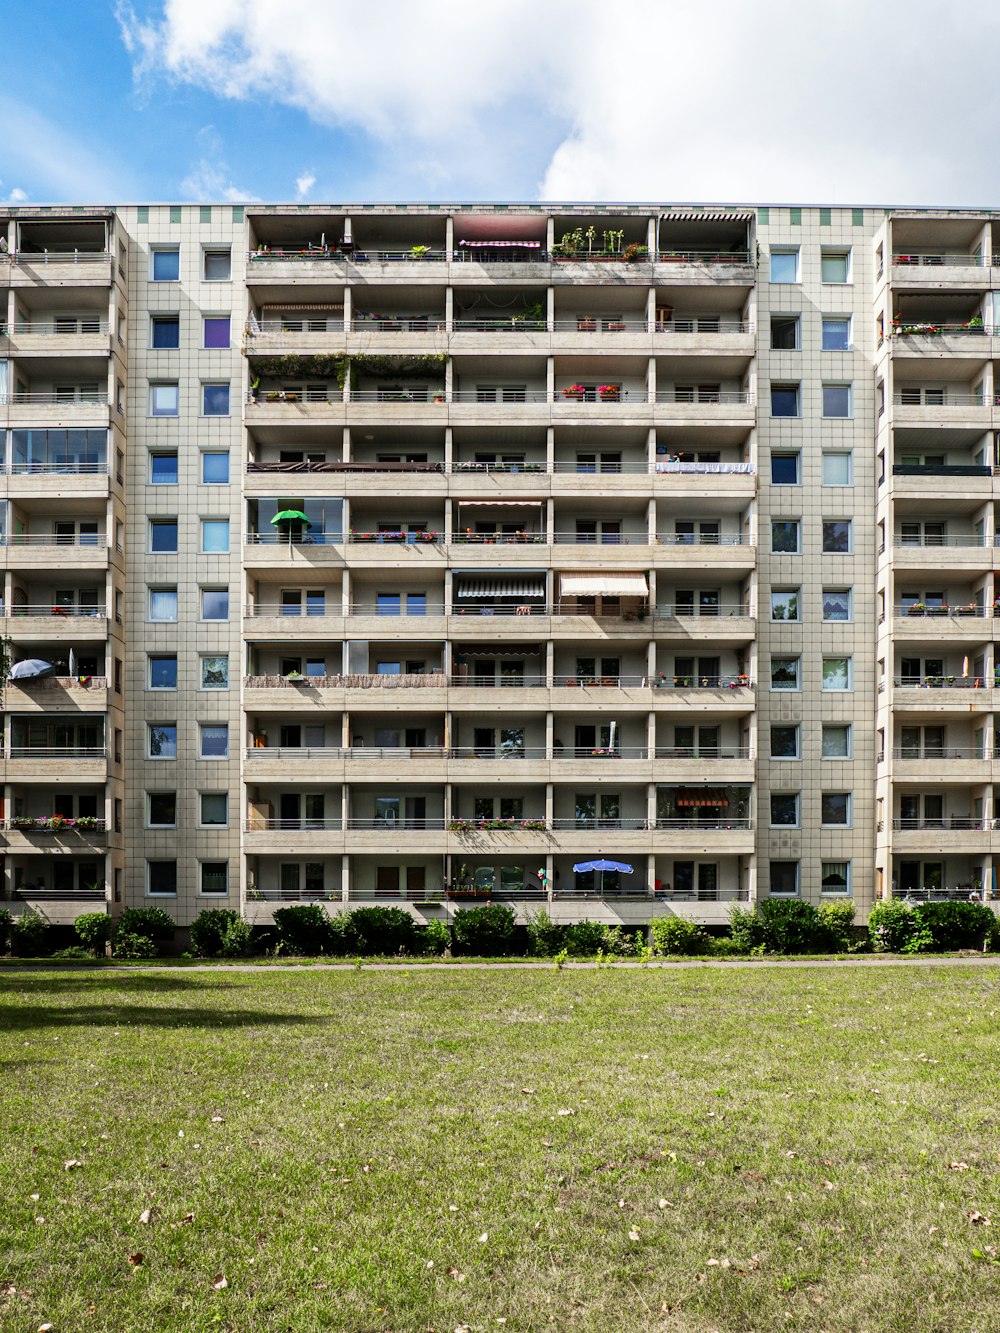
(421, 554)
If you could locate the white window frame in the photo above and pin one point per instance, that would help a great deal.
(829, 689)
(849, 821)
(797, 798)
(838, 758)
(838, 384)
(847, 891)
(837, 252)
(796, 252)
(838, 453)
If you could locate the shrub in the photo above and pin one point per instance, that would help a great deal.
(791, 926)
(304, 929)
(73, 953)
(583, 939)
(723, 946)
(6, 930)
(220, 932)
(676, 935)
(384, 930)
(545, 936)
(94, 930)
(151, 922)
(130, 945)
(622, 943)
(342, 938)
(837, 925)
(435, 937)
(890, 926)
(746, 929)
(956, 925)
(28, 933)
(487, 931)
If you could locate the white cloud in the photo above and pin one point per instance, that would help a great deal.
(209, 180)
(303, 184)
(663, 100)
(17, 196)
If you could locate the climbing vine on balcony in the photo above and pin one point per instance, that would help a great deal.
(339, 367)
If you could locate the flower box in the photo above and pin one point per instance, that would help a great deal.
(586, 325)
(609, 393)
(574, 391)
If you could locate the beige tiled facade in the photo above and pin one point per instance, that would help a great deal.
(658, 535)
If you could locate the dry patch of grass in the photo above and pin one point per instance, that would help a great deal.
(508, 1150)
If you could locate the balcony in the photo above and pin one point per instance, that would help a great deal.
(935, 270)
(48, 764)
(61, 266)
(46, 621)
(941, 407)
(54, 835)
(82, 335)
(917, 621)
(72, 694)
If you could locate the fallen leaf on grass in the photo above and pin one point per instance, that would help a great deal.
(146, 1216)
(633, 1234)
(72, 1164)
(977, 1219)
(665, 1203)
(828, 1185)
(484, 1238)
(565, 1112)
(220, 1282)
(456, 1274)
(958, 1166)
(136, 1259)
(217, 1119)
(528, 1092)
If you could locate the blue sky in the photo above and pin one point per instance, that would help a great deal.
(665, 100)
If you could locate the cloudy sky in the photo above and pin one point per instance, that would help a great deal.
(876, 101)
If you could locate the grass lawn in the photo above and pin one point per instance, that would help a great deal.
(694, 1150)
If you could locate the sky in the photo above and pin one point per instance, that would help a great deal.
(696, 101)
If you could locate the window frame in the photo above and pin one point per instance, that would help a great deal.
(831, 385)
(160, 657)
(788, 662)
(157, 589)
(202, 891)
(204, 728)
(786, 522)
(793, 593)
(796, 892)
(207, 251)
(207, 385)
(793, 727)
(848, 661)
(837, 620)
(203, 658)
(785, 456)
(160, 893)
(837, 453)
(829, 320)
(155, 253)
(164, 319)
(847, 891)
(848, 820)
(164, 727)
(837, 252)
(214, 620)
(825, 550)
(829, 727)
(163, 522)
(793, 252)
(794, 390)
(205, 525)
(795, 798)
(154, 387)
(148, 820)
(215, 453)
(202, 823)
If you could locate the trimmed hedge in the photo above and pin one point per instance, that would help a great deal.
(487, 931)
(220, 932)
(896, 927)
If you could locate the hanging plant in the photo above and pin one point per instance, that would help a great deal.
(398, 367)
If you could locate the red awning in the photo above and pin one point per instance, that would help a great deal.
(702, 796)
(497, 650)
(519, 245)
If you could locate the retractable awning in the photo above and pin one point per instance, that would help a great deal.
(497, 650)
(501, 504)
(701, 796)
(603, 585)
(518, 245)
(299, 305)
(502, 588)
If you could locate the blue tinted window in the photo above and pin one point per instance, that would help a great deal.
(215, 400)
(166, 265)
(163, 673)
(215, 469)
(166, 331)
(784, 469)
(163, 469)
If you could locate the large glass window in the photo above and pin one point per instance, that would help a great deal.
(217, 265)
(214, 740)
(838, 468)
(163, 469)
(785, 536)
(215, 878)
(161, 809)
(161, 878)
(163, 536)
(837, 536)
(214, 809)
(836, 334)
(215, 535)
(215, 400)
(784, 742)
(165, 332)
(836, 673)
(161, 740)
(784, 879)
(215, 469)
(835, 809)
(164, 399)
(837, 604)
(785, 604)
(784, 265)
(836, 877)
(784, 400)
(836, 400)
(784, 673)
(835, 266)
(163, 671)
(836, 743)
(784, 809)
(785, 469)
(165, 265)
(163, 603)
(215, 603)
(58, 450)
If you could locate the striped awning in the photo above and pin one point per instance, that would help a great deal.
(603, 585)
(299, 305)
(497, 649)
(519, 245)
(520, 587)
(501, 504)
(701, 796)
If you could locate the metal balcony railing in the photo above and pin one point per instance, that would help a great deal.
(501, 397)
(263, 825)
(932, 329)
(54, 824)
(46, 753)
(398, 324)
(21, 467)
(706, 398)
(947, 398)
(953, 822)
(701, 821)
(61, 257)
(590, 824)
(295, 327)
(939, 539)
(916, 610)
(55, 611)
(94, 541)
(704, 752)
(940, 682)
(933, 753)
(720, 257)
(930, 259)
(54, 398)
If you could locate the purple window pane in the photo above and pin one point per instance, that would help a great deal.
(217, 332)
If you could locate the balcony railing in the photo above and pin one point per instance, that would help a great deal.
(929, 259)
(426, 680)
(939, 539)
(396, 754)
(929, 893)
(59, 612)
(320, 253)
(933, 753)
(940, 682)
(53, 824)
(960, 822)
(702, 821)
(723, 257)
(94, 541)
(46, 753)
(599, 468)
(53, 398)
(941, 470)
(704, 752)
(947, 398)
(21, 468)
(397, 324)
(61, 257)
(304, 825)
(944, 612)
(713, 398)
(928, 329)
(61, 328)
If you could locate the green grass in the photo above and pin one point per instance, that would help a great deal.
(414, 1150)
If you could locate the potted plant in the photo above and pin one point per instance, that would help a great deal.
(419, 251)
(609, 393)
(574, 391)
(635, 254)
(616, 326)
(916, 609)
(586, 324)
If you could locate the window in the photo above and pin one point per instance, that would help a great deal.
(213, 809)
(784, 400)
(784, 673)
(785, 469)
(784, 879)
(215, 603)
(165, 332)
(836, 878)
(835, 266)
(215, 673)
(161, 809)
(215, 878)
(835, 809)
(838, 604)
(837, 673)
(837, 400)
(175, 212)
(205, 213)
(214, 740)
(163, 536)
(163, 671)
(163, 603)
(217, 266)
(837, 741)
(216, 331)
(165, 264)
(161, 878)
(161, 740)
(785, 333)
(784, 604)
(838, 469)
(785, 536)
(215, 535)
(784, 809)
(784, 742)
(836, 333)
(785, 265)
(215, 469)
(837, 536)
(163, 469)
(215, 400)
(164, 399)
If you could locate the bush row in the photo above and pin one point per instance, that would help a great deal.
(777, 926)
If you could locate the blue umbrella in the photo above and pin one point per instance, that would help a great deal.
(622, 867)
(31, 668)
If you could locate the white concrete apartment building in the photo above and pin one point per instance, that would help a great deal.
(417, 554)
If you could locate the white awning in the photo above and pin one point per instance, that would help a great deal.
(603, 585)
(503, 588)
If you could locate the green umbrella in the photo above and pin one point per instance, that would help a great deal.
(291, 516)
